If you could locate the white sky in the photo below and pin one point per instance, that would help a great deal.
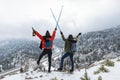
(18, 16)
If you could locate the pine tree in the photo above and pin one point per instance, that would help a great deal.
(85, 76)
(118, 59)
(101, 69)
(54, 78)
(100, 78)
(97, 71)
(108, 62)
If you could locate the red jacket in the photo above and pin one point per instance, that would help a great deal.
(43, 41)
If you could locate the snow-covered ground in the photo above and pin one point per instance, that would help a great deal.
(113, 74)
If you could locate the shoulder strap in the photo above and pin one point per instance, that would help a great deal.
(40, 45)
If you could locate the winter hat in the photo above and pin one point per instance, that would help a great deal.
(47, 34)
(70, 37)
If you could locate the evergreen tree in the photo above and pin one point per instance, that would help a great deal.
(118, 59)
(108, 62)
(101, 69)
(54, 78)
(85, 76)
(100, 78)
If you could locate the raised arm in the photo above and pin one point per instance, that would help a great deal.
(36, 33)
(39, 35)
(62, 36)
(53, 34)
(77, 37)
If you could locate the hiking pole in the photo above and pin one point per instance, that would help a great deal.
(55, 19)
(58, 18)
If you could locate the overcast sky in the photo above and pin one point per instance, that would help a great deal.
(18, 16)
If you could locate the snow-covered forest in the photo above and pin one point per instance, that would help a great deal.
(14, 53)
(92, 47)
(95, 46)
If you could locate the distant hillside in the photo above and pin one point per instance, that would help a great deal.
(94, 46)
(59, 42)
(15, 52)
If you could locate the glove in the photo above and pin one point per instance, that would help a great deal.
(55, 28)
(61, 32)
(79, 34)
(33, 34)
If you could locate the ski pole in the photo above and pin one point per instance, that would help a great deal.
(58, 18)
(55, 19)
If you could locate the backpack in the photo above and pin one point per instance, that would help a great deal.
(48, 44)
(40, 45)
(74, 47)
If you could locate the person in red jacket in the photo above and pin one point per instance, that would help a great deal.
(47, 44)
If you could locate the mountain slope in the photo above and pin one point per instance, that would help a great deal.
(95, 46)
(16, 52)
(77, 75)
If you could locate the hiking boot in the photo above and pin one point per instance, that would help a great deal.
(59, 69)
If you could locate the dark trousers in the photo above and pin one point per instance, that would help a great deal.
(71, 59)
(49, 53)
